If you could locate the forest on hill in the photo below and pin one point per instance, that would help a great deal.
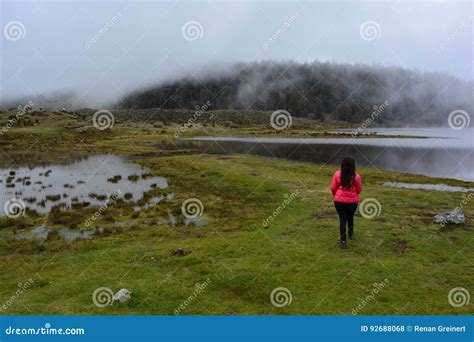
(322, 91)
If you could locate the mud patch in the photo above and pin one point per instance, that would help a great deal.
(400, 246)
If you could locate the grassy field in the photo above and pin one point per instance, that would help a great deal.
(410, 260)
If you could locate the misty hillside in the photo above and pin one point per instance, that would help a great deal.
(324, 91)
(52, 101)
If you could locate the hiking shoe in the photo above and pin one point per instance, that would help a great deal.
(342, 244)
(351, 236)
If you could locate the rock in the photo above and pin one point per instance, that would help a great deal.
(123, 295)
(179, 252)
(82, 129)
(453, 217)
(158, 124)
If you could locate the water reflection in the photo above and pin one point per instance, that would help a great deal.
(90, 181)
(443, 156)
(42, 233)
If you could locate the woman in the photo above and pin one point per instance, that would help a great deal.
(346, 186)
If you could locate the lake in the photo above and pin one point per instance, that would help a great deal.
(445, 152)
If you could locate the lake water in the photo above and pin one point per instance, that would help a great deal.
(445, 153)
(91, 179)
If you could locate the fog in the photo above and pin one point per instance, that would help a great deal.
(95, 52)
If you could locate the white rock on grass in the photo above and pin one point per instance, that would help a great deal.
(453, 217)
(123, 295)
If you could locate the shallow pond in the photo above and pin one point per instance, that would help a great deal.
(91, 179)
(431, 187)
(42, 232)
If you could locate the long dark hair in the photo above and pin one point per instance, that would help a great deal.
(348, 168)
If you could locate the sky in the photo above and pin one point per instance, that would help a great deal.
(104, 49)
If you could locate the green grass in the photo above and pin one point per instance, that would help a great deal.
(243, 260)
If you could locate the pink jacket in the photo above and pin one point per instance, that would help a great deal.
(350, 195)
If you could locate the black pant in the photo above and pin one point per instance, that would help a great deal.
(346, 213)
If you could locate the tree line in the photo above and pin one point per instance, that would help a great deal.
(323, 91)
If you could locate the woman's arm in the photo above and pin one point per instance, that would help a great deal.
(335, 183)
(358, 184)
